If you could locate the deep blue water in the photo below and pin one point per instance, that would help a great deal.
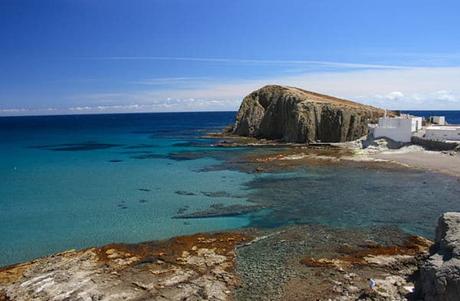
(83, 180)
(452, 117)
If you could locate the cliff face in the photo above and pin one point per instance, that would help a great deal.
(294, 115)
(439, 275)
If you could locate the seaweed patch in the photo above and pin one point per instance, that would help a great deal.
(182, 192)
(84, 146)
(149, 156)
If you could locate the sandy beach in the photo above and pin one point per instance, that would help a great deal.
(447, 163)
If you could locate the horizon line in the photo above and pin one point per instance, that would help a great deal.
(182, 112)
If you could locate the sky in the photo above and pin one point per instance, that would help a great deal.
(86, 56)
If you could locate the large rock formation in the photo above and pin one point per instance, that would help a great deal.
(439, 277)
(294, 115)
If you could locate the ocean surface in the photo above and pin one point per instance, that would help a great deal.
(84, 180)
(452, 117)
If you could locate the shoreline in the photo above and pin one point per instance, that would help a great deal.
(299, 262)
(432, 161)
(226, 264)
(409, 156)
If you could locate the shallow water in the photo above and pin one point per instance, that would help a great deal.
(356, 197)
(78, 181)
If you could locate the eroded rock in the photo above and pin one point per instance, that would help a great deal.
(295, 115)
(193, 267)
(439, 277)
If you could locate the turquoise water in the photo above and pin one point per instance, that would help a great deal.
(78, 181)
(53, 200)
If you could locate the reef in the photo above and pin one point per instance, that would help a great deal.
(84, 146)
(220, 210)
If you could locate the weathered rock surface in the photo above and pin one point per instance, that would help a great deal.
(197, 267)
(311, 262)
(439, 277)
(295, 115)
(298, 262)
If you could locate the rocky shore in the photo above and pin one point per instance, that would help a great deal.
(291, 263)
(198, 267)
(298, 262)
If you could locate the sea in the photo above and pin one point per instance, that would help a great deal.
(75, 181)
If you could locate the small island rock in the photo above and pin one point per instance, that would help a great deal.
(295, 115)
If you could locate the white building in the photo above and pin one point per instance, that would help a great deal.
(397, 128)
(443, 133)
(439, 120)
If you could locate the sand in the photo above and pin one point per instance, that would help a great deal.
(447, 163)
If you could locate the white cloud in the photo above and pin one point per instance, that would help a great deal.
(392, 95)
(415, 88)
(444, 95)
(249, 61)
(27, 111)
(170, 80)
(13, 110)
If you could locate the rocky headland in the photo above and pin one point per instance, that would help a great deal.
(294, 115)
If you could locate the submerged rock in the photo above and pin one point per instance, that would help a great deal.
(439, 275)
(220, 210)
(295, 115)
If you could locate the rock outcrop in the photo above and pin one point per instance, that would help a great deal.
(297, 262)
(439, 275)
(196, 267)
(295, 115)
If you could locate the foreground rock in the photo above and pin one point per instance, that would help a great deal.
(311, 262)
(298, 262)
(439, 277)
(194, 267)
(295, 115)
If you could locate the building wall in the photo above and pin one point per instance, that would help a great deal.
(396, 134)
(443, 134)
(441, 120)
(416, 123)
(397, 129)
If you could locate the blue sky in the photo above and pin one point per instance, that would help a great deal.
(86, 56)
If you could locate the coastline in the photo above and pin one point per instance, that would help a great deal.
(300, 262)
(222, 266)
(433, 161)
(410, 156)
